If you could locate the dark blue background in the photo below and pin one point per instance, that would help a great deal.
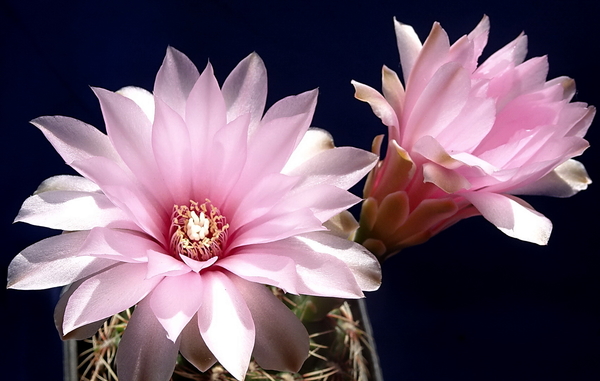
(471, 304)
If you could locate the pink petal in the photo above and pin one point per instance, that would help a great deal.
(73, 210)
(107, 293)
(393, 91)
(319, 271)
(224, 320)
(173, 152)
(245, 90)
(431, 149)
(53, 262)
(205, 115)
(440, 103)
(281, 340)
(301, 104)
(512, 216)
(142, 97)
(514, 53)
(378, 103)
(446, 179)
(314, 141)
(275, 226)
(324, 200)
(249, 201)
(130, 131)
(564, 181)
(257, 263)
(272, 145)
(228, 160)
(175, 80)
(75, 140)
(342, 167)
(479, 36)
(175, 300)
(120, 245)
(409, 47)
(471, 126)
(431, 57)
(145, 353)
(126, 194)
(461, 52)
(161, 264)
(193, 347)
(83, 332)
(67, 183)
(364, 266)
(198, 266)
(581, 127)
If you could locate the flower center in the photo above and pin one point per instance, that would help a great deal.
(198, 231)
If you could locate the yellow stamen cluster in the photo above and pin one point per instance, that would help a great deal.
(198, 231)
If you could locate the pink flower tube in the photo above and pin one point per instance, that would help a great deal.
(187, 208)
(464, 139)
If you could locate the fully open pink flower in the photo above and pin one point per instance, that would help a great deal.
(190, 204)
(465, 138)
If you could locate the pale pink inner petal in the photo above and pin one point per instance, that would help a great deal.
(360, 261)
(245, 90)
(142, 97)
(205, 115)
(225, 319)
(301, 104)
(479, 36)
(175, 79)
(314, 141)
(341, 166)
(274, 226)
(228, 160)
(431, 57)
(126, 194)
(75, 140)
(121, 245)
(175, 300)
(161, 264)
(467, 130)
(409, 47)
(272, 145)
(446, 179)
(53, 262)
(248, 201)
(319, 271)
(393, 91)
(564, 181)
(130, 132)
(266, 267)
(67, 183)
(73, 210)
(513, 52)
(81, 333)
(512, 216)
(197, 266)
(173, 151)
(107, 293)
(440, 103)
(324, 200)
(378, 103)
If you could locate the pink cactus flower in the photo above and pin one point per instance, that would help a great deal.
(187, 208)
(464, 139)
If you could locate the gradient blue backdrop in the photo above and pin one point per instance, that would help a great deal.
(471, 304)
